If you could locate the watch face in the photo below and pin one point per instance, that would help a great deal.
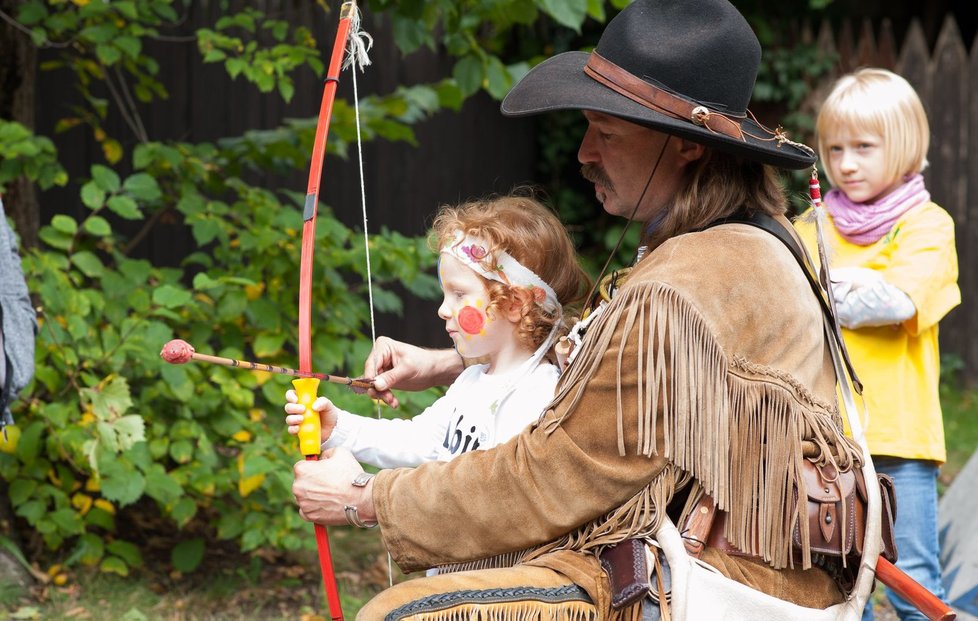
(361, 479)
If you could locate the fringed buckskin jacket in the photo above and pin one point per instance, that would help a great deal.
(708, 368)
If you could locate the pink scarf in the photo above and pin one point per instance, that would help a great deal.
(866, 223)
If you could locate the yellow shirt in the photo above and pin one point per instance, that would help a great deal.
(899, 365)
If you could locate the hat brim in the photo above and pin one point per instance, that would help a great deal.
(559, 83)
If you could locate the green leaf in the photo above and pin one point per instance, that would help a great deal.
(21, 490)
(92, 195)
(67, 520)
(125, 207)
(122, 484)
(235, 66)
(169, 296)
(105, 178)
(286, 90)
(64, 224)
(31, 13)
(114, 565)
(161, 486)
(130, 45)
(183, 511)
(29, 445)
(130, 430)
(126, 8)
(97, 226)
(89, 550)
(32, 511)
(187, 555)
(88, 263)
(181, 451)
(499, 79)
(569, 13)
(109, 400)
(410, 34)
(127, 552)
(468, 74)
(202, 282)
(268, 345)
(142, 187)
(108, 54)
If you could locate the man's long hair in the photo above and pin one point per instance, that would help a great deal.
(719, 185)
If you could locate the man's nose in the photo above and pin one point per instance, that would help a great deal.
(586, 153)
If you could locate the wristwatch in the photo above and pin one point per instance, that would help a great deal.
(352, 517)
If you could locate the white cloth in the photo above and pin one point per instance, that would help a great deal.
(864, 299)
(474, 252)
(465, 419)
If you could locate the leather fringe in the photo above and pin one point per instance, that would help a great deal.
(512, 611)
(493, 562)
(718, 414)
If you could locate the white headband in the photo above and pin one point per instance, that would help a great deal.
(473, 251)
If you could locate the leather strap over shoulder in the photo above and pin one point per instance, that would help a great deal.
(767, 223)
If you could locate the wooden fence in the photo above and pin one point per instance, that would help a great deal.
(947, 80)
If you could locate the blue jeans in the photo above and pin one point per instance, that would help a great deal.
(915, 482)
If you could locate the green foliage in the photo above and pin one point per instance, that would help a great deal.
(109, 426)
(23, 153)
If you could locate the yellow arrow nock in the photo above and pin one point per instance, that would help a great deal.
(310, 431)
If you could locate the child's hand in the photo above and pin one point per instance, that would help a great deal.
(295, 411)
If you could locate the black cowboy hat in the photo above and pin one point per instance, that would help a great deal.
(683, 67)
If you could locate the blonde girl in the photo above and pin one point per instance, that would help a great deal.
(894, 276)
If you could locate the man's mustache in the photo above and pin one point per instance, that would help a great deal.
(596, 174)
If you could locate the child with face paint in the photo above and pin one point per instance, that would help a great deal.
(508, 271)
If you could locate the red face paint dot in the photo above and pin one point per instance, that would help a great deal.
(471, 320)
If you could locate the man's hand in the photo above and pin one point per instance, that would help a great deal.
(323, 488)
(296, 411)
(393, 364)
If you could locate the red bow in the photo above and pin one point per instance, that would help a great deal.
(310, 433)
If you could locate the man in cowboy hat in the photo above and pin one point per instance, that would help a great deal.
(704, 374)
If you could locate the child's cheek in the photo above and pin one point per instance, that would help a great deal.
(471, 320)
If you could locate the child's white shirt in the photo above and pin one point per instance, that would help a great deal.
(478, 412)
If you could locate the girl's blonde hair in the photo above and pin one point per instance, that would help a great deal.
(521, 226)
(881, 102)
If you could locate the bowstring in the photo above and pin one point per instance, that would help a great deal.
(359, 43)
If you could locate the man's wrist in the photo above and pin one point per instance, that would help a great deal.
(361, 514)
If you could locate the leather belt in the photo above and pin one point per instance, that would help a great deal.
(641, 92)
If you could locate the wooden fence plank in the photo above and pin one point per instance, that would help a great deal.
(846, 48)
(866, 55)
(947, 181)
(967, 266)
(914, 59)
(887, 48)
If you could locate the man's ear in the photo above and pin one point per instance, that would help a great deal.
(690, 151)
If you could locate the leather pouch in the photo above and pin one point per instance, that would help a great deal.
(826, 513)
(836, 517)
(889, 508)
(626, 565)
